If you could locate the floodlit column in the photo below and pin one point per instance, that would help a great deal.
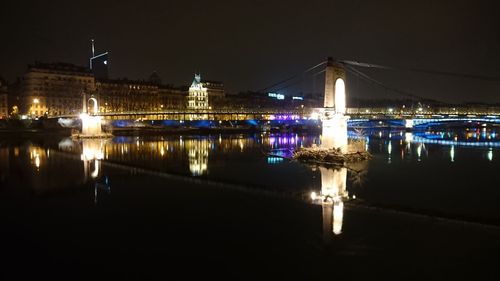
(334, 133)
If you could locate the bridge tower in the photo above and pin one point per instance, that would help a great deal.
(335, 89)
(91, 124)
(334, 133)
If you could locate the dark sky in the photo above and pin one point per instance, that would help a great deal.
(252, 44)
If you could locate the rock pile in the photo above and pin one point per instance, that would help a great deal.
(330, 156)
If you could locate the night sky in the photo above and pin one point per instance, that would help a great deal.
(252, 44)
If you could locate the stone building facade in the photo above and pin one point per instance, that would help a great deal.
(54, 89)
(198, 94)
(129, 95)
(215, 91)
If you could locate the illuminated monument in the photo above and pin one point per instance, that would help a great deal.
(334, 134)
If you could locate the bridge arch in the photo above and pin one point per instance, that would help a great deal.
(340, 96)
(95, 107)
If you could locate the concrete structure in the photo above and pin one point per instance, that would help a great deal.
(4, 106)
(334, 131)
(198, 94)
(335, 78)
(54, 89)
(91, 121)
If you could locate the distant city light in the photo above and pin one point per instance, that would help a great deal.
(277, 96)
(313, 195)
(314, 116)
(297, 98)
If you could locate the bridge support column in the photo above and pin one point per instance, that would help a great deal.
(409, 124)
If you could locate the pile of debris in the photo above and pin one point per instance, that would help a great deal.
(329, 156)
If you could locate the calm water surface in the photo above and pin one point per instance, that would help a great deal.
(450, 171)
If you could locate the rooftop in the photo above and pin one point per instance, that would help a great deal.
(60, 66)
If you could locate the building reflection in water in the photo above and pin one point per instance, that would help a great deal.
(198, 155)
(333, 193)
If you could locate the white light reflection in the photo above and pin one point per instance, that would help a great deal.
(198, 156)
(419, 151)
(490, 154)
(389, 152)
(452, 153)
(333, 192)
(92, 152)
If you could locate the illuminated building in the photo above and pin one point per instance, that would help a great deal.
(171, 97)
(215, 91)
(53, 89)
(198, 94)
(4, 108)
(135, 95)
(122, 95)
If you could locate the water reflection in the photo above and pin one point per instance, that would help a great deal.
(416, 145)
(4, 163)
(198, 155)
(452, 153)
(333, 192)
(92, 151)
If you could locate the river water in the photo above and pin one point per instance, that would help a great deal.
(447, 173)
